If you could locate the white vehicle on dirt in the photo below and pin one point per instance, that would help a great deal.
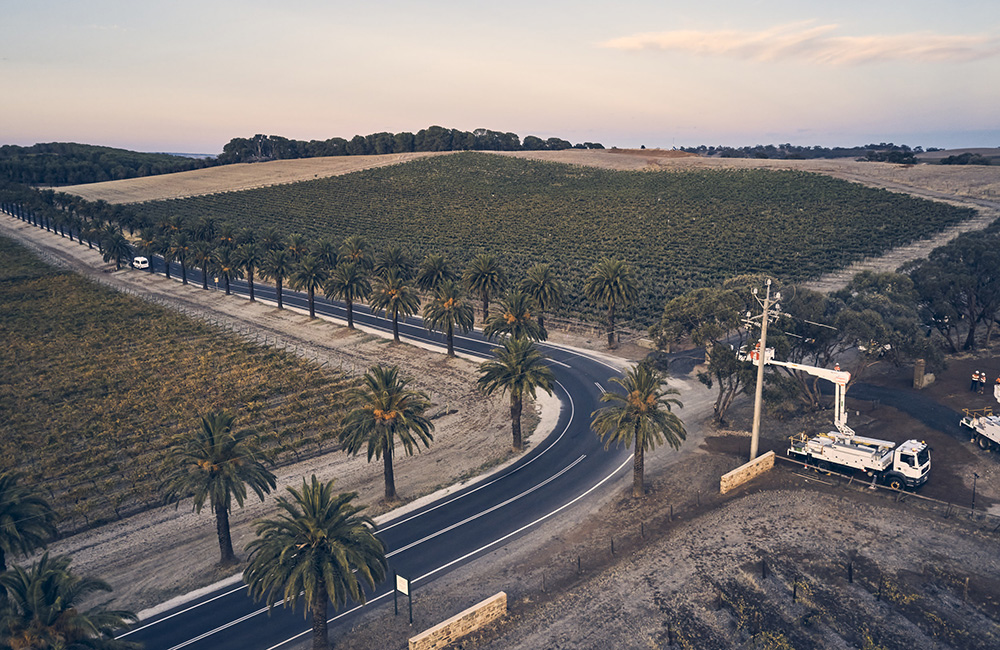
(985, 427)
(140, 262)
(907, 465)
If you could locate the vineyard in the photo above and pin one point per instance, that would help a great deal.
(96, 383)
(678, 229)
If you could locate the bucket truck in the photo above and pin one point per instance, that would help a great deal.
(985, 427)
(906, 465)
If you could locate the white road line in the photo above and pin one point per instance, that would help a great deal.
(489, 510)
(478, 550)
(599, 387)
(183, 611)
(572, 414)
(558, 363)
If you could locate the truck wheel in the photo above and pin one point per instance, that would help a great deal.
(984, 442)
(895, 483)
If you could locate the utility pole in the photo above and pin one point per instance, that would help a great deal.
(758, 397)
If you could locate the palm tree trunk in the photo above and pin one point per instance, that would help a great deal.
(277, 283)
(250, 282)
(321, 639)
(541, 321)
(486, 309)
(227, 285)
(204, 277)
(515, 419)
(184, 273)
(611, 326)
(637, 468)
(350, 315)
(390, 479)
(395, 325)
(312, 302)
(225, 539)
(451, 340)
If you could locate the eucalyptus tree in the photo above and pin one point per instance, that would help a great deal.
(544, 287)
(216, 464)
(276, 266)
(396, 297)
(349, 283)
(27, 522)
(515, 319)
(43, 609)
(641, 417)
(612, 283)
(433, 271)
(309, 274)
(518, 368)
(383, 410)
(448, 310)
(319, 548)
(484, 278)
(248, 257)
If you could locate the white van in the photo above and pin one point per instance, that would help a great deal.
(140, 263)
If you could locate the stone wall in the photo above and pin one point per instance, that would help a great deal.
(744, 473)
(461, 624)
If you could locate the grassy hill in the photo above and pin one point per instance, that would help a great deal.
(679, 229)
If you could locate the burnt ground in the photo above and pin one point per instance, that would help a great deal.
(795, 559)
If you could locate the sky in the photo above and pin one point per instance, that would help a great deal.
(188, 76)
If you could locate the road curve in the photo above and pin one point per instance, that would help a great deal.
(424, 544)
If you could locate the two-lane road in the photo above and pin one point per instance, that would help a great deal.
(424, 544)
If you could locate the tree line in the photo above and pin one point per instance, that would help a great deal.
(881, 152)
(435, 138)
(69, 163)
(944, 304)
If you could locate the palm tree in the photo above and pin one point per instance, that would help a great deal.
(148, 244)
(484, 278)
(357, 249)
(248, 258)
(309, 274)
(394, 260)
(271, 240)
(226, 235)
(27, 521)
(180, 248)
(519, 368)
(515, 319)
(165, 249)
(447, 310)
(348, 283)
(641, 416)
(384, 410)
(217, 464)
(394, 295)
(276, 266)
(612, 282)
(41, 609)
(227, 266)
(116, 247)
(319, 548)
(433, 271)
(297, 246)
(326, 250)
(203, 256)
(544, 287)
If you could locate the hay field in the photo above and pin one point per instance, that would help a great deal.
(232, 178)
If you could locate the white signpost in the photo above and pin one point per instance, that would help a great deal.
(402, 587)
